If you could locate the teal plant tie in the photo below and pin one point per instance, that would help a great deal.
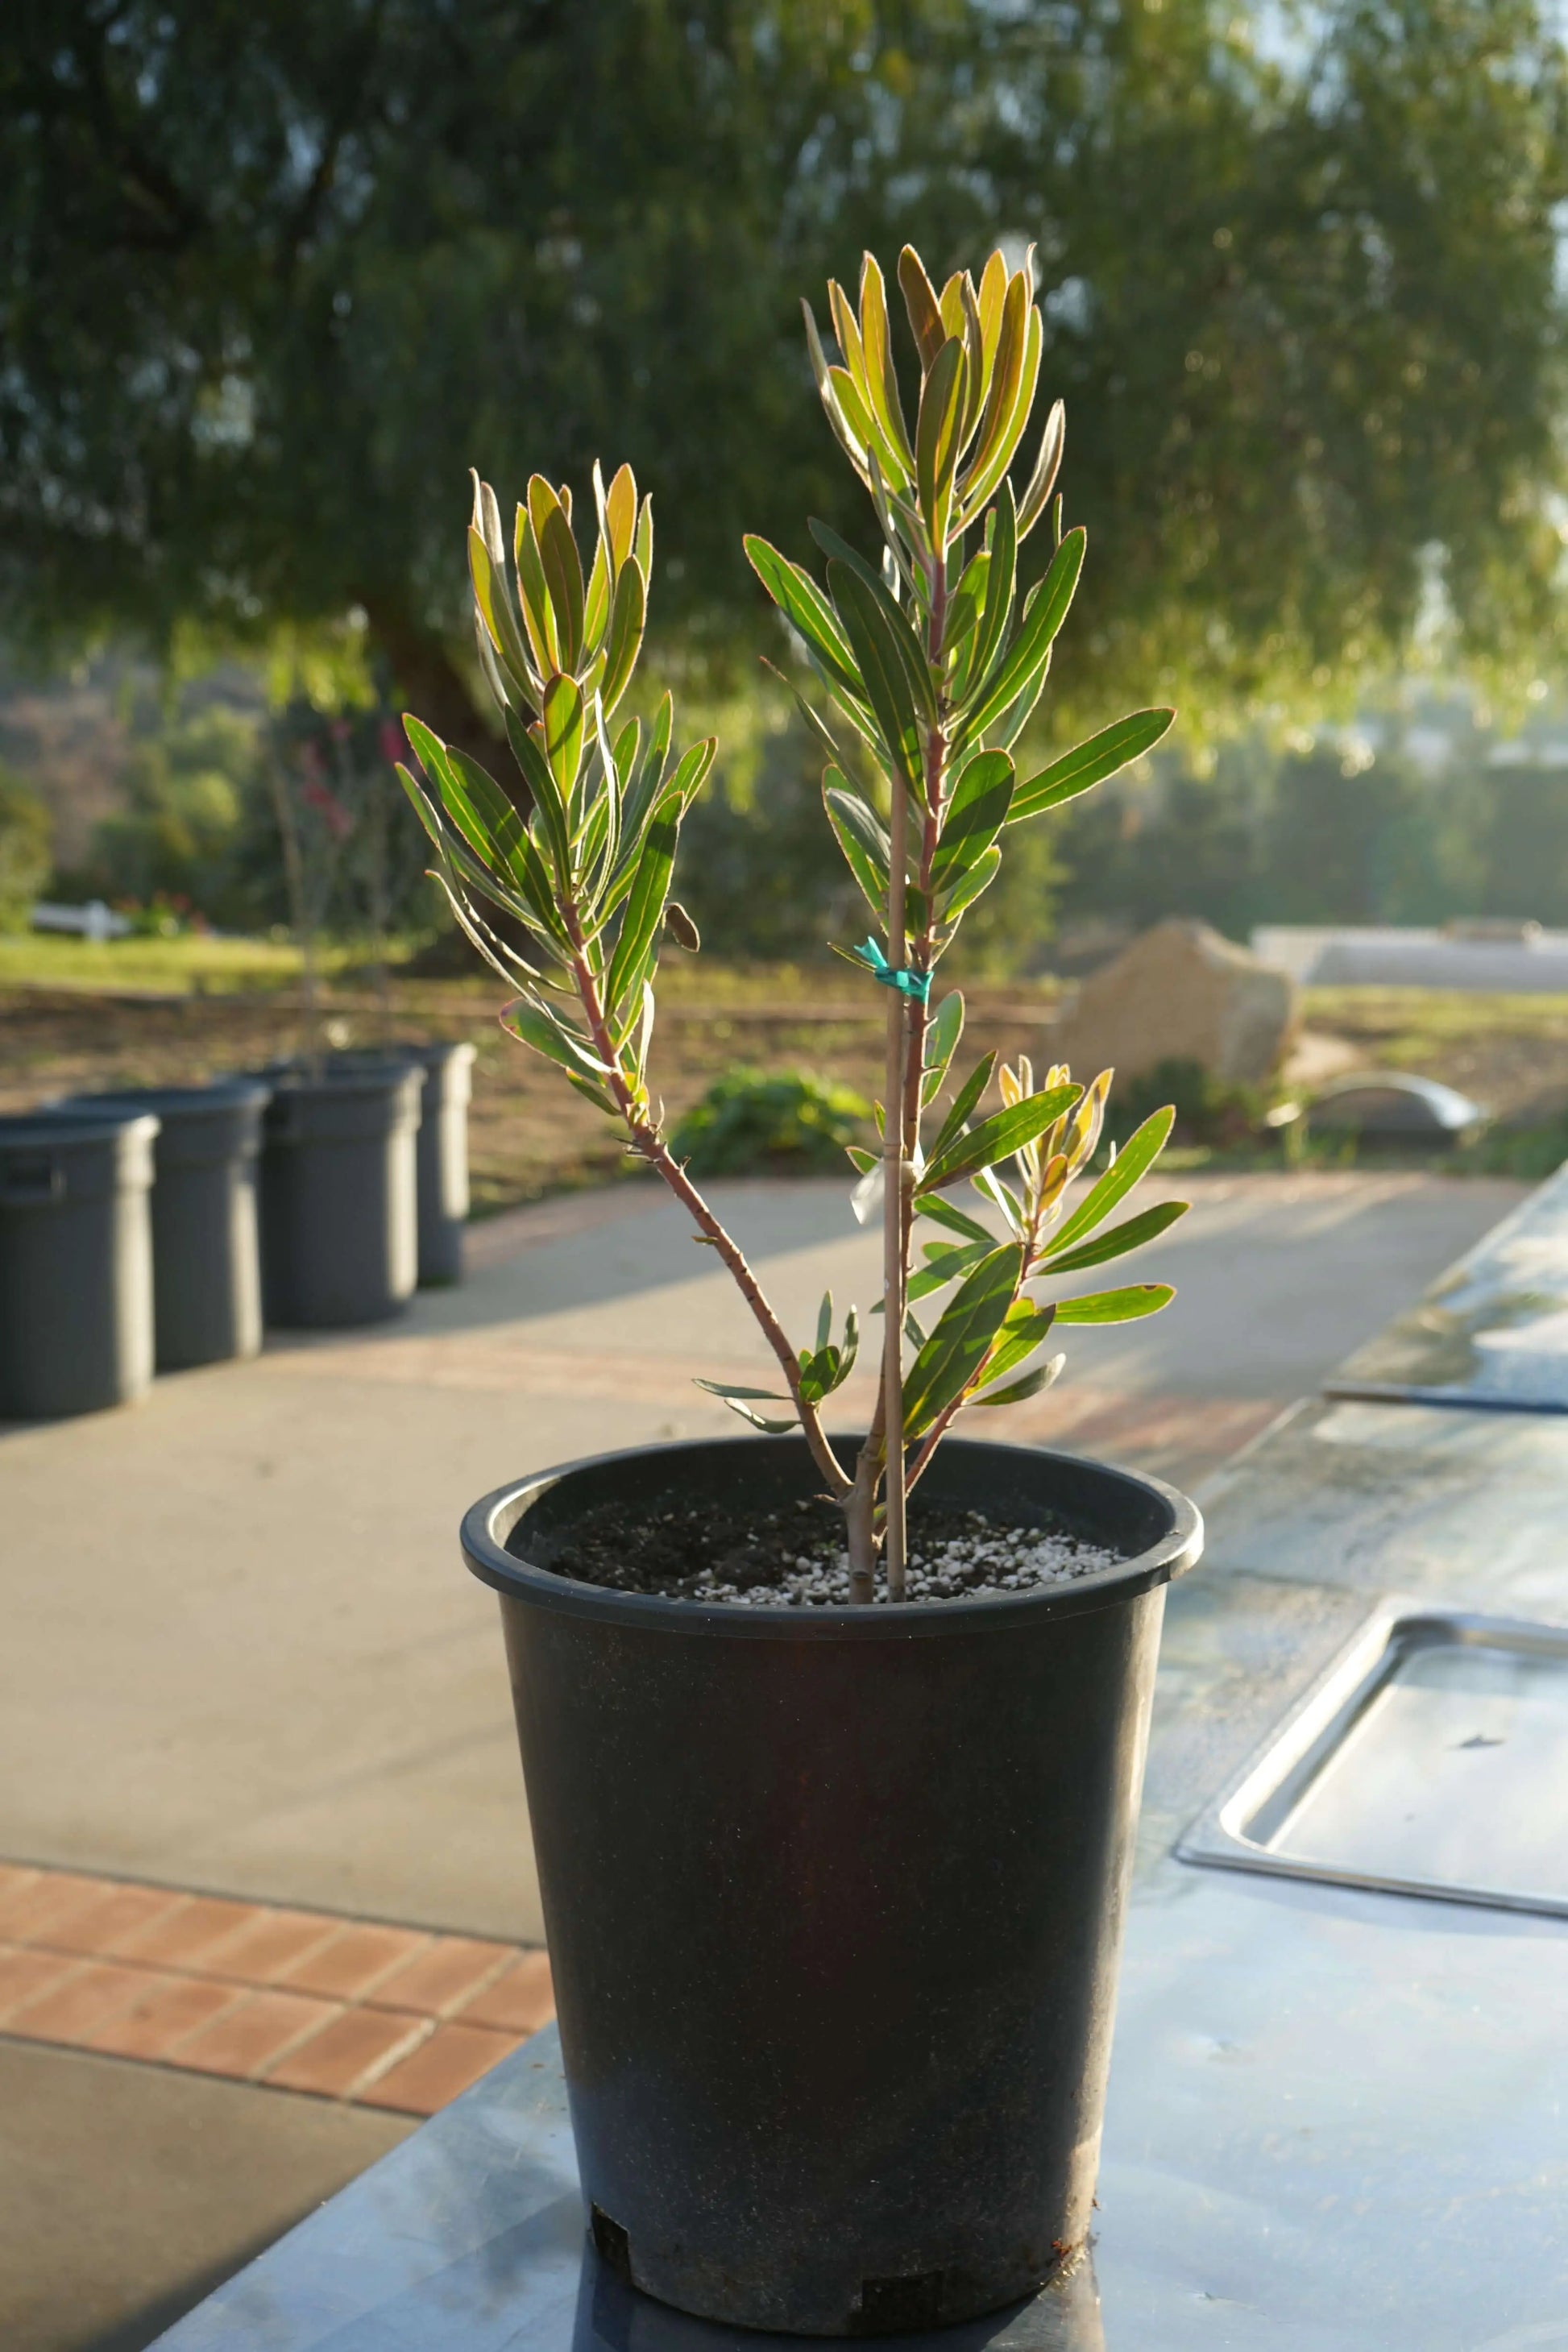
(916, 985)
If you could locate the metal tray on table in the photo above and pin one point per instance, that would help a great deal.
(1432, 1759)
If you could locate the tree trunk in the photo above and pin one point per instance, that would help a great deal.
(426, 681)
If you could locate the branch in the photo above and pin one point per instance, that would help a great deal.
(647, 1140)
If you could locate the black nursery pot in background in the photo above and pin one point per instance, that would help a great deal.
(833, 1896)
(206, 1277)
(76, 1262)
(338, 1193)
(443, 1155)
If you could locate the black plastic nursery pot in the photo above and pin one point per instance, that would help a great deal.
(76, 1262)
(833, 1896)
(443, 1154)
(206, 1270)
(340, 1230)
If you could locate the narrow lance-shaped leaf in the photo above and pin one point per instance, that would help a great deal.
(1130, 1234)
(958, 1221)
(876, 343)
(1092, 763)
(958, 1346)
(564, 578)
(920, 303)
(1136, 1157)
(564, 727)
(859, 835)
(936, 437)
(1017, 1392)
(627, 615)
(962, 1103)
(1026, 657)
(943, 1029)
(974, 816)
(1116, 1305)
(900, 627)
(806, 608)
(997, 1138)
(493, 599)
(1024, 1327)
(883, 675)
(644, 915)
(944, 1265)
(970, 884)
(539, 777)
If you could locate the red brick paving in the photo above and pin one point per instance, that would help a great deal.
(303, 2000)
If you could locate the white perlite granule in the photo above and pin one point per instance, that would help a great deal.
(992, 1561)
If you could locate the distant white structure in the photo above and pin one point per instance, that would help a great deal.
(93, 921)
(1502, 958)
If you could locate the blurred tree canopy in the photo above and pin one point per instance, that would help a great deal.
(273, 275)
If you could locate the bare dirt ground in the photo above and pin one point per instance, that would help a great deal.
(528, 1134)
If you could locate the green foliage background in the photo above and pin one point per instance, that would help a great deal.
(273, 275)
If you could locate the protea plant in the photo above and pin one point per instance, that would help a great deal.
(928, 666)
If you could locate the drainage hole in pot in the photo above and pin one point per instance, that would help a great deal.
(611, 2243)
(888, 2306)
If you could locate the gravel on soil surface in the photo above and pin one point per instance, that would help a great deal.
(794, 1557)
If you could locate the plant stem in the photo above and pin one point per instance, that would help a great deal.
(647, 1140)
(893, 1209)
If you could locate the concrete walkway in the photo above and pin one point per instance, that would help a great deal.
(241, 1655)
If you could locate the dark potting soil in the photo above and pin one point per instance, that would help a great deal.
(794, 1557)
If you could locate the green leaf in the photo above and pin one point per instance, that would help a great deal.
(944, 1264)
(1116, 1305)
(958, 1221)
(1025, 660)
(1024, 1327)
(936, 435)
(564, 578)
(1030, 1385)
(564, 718)
(493, 598)
(965, 891)
(549, 1034)
(883, 672)
(1090, 763)
(806, 609)
(974, 817)
(644, 917)
(957, 1348)
(997, 1138)
(860, 836)
(690, 771)
(539, 777)
(962, 1103)
(1134, 1159)
(1130, 1236)
(901, 629)
(944, 1031)
(629, 614)
(1000, 582)
(727, 1389)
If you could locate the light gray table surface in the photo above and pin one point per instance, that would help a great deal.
(1338, 2119)
(1493, 1331)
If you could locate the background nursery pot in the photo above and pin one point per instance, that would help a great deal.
(340, 1214)
(834, 1896)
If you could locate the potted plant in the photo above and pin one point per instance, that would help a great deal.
(831, 1745)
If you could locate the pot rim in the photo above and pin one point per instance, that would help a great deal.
(487, 1523)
